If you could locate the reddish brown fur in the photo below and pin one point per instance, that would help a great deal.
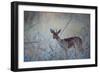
(71, 41)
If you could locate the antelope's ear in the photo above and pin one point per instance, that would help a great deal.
(59, 31)
(51, 30)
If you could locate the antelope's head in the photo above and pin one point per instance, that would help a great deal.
(55, 33)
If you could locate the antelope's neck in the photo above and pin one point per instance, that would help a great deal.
(58, 39)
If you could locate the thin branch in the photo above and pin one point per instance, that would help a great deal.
(67, 24)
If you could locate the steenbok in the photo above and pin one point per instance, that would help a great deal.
(67, 43)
